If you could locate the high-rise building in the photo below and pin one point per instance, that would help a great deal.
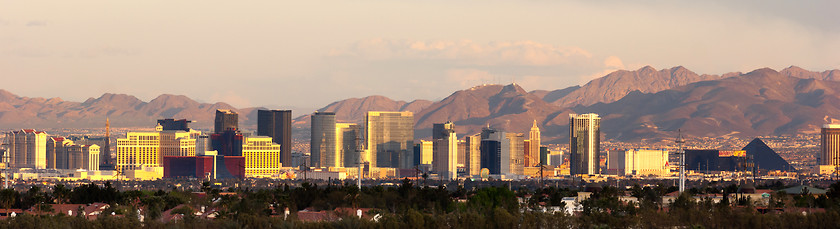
(445, 162)
(534, 146)
(527, 153)
(516, 156)
(278, 125)
(639, 162)
(322, 141)
(494, 149)
(346, 154)
(584, 144)
(56, 153)
(427, 149)
(226, 120)
(146, 149)
(138, 149)
(473, 154)
(390, 137)
(262, 156)
(27, 148)
(544, 152)
(180, 124)
(176, 143)
(227, 143)
(830, 145)
(83, 157)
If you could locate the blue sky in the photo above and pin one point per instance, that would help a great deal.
(310, 53)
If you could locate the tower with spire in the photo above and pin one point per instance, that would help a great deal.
(106, 151)
(534, 145)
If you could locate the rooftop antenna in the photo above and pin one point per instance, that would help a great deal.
(681, 152)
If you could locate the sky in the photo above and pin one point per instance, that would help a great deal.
(307, 54)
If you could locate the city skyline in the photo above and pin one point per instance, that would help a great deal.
(275, 47)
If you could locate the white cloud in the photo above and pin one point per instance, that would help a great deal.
(232, 98)
(466, 52)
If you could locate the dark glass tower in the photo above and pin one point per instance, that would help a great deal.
(175, 124)
(277, 124)
(322, 140)
(226, 120)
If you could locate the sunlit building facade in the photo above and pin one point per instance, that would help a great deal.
(262, 156)
(390, 139)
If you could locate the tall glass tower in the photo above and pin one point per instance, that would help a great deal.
(584, 143)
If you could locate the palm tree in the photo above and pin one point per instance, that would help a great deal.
(7, 198)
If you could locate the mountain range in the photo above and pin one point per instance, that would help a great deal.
(645, 103)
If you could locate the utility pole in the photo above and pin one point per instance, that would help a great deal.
(361, 161)
(681, 152)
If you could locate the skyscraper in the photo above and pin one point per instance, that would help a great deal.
(584, 144)
(27, 148)
(177, 124)
(278, 125)
(515, 158)
(445, 162)
(346, 146)
(830, 145)
(262, 156)
(390, 138)
(534, 146)
(226, 120)
(56, 153)
(473, 151)
(493, 151)
(322, 140)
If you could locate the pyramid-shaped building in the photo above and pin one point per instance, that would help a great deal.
(766, 158)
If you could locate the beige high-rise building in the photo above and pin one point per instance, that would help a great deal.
(262, 156)
(83, 157)
(57, 152)
(345, 145)
(427, 149)
(445, 162)
(638, 162)
(27, 148)
(517, 153)
(534, 146)
(473, 151)
(830, 145)
(390, 139)
(177, 143)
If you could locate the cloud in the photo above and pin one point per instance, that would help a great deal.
(410, 69)
(466, 52)
(469, 77)
(232, 98)
(613, 62)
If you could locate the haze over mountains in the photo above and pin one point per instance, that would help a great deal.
(646, 103)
